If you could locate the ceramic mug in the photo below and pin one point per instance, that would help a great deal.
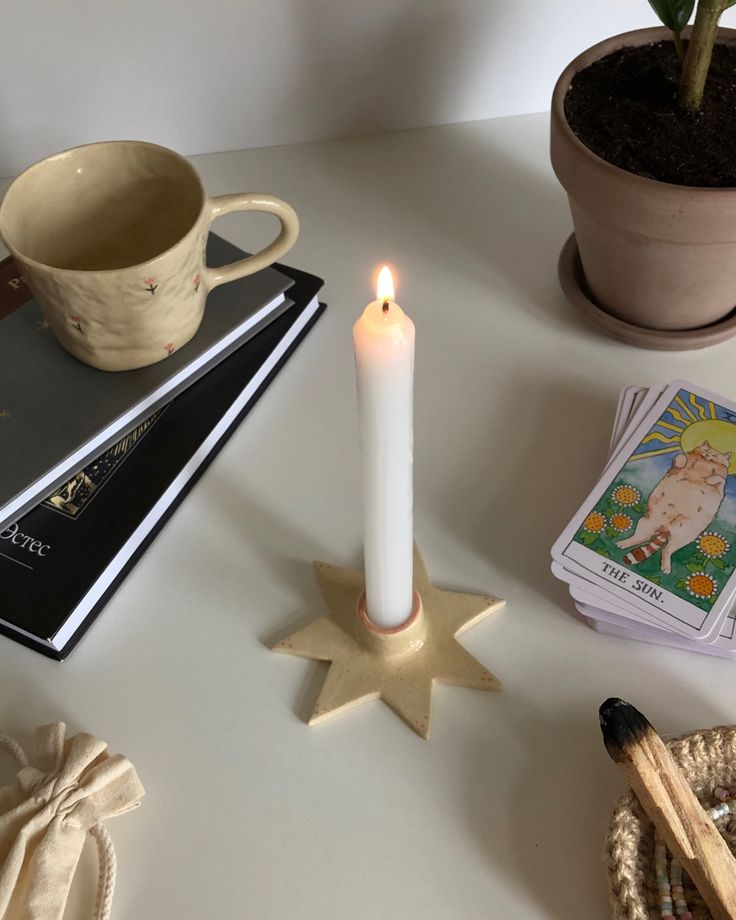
(110, 238)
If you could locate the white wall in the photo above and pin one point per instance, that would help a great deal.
(206, 75)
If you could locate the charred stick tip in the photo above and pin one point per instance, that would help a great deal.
(622, 725)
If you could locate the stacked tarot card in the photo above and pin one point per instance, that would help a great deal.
(651, 553)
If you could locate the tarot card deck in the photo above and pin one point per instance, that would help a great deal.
(651, 554)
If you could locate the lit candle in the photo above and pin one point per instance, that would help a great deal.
(384, 359)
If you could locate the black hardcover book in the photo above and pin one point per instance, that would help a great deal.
(62, 561)
(57, 414)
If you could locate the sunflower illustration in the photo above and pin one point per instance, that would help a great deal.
(595, 522)
(701, 585)
(712, 544)
(621, 522)
(626, 495)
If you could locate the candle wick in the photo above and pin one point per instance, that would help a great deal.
(385, 306)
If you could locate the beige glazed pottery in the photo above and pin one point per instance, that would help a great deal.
(110, 238)
(654, 254)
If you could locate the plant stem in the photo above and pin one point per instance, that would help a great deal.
(679, 47)
(699, 52)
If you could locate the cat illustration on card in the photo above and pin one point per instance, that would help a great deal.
(680, 507)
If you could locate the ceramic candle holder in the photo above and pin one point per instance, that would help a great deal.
(398, 665)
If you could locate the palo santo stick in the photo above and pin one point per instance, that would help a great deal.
(669, 801)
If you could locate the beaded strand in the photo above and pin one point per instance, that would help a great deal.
(672, 903)
(678, 892)
(663, 881)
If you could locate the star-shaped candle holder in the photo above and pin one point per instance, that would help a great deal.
(400, 665)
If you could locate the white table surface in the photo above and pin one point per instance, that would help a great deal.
(249, 812)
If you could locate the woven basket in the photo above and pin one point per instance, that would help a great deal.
(708, 759)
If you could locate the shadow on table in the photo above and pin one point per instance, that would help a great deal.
(548, 840)
(518, 489)
(24, 707)
(549, 835)
(496, 217)
(285, 553)
(283, 549)
(472, 197)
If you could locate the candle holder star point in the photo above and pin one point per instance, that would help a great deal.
(400, 665)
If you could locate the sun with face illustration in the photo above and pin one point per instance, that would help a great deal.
(688, 422)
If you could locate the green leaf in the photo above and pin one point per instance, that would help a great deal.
(674, 13)
(719, 563)
(693, 567)
(682, 583)
(587, 538)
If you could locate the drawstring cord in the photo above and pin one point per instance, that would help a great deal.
(14, 750)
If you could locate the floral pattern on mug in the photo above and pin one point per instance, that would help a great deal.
(77, 323)
(150, 284)
(196, 281)
(169, 347)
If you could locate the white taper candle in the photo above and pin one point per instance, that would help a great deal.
(383, 337)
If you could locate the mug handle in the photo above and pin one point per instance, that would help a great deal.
(252, 201)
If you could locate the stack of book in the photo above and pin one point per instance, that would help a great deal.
(94, 463)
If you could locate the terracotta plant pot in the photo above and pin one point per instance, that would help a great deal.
(656, 255)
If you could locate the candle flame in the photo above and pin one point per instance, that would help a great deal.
(385, 285)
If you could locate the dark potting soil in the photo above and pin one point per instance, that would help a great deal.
(624, 108)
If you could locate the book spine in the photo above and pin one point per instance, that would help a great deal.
(61, 654)
(13, 289)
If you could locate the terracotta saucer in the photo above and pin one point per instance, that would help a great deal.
(574, 287)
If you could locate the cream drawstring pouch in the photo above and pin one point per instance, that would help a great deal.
(46, 814)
